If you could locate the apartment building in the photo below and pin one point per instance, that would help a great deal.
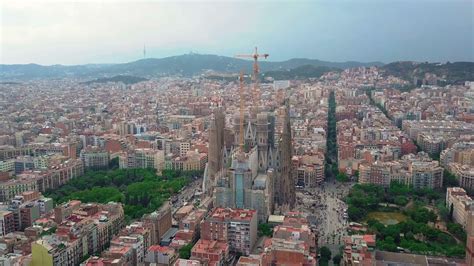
(464, 174)
(7, 165)
(432, 143)
(309, 170)
(7, 223)
(461, 153)
(95, 158)
(451, 128)
(134, 241)
(56, 175)
(461, 204)
(10, 152)
(418, 171)
(9, 189)
(82, 230)
(426, 174)
(358, 250)
(192, 161)
(143, 158)
(184, 262)
(24, 163)
(158, 222)
(184, 147)
(189, 229)
(298, 233)
(210, 252)
(237, 227)
(161, 255)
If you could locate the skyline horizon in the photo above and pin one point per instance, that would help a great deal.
(229, 56)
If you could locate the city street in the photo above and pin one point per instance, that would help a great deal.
(186, 195)
(327, 209)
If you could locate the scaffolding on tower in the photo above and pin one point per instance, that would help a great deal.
(242, 115)
(255, 77)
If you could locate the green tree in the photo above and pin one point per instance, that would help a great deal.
(97, 194)
(325, 253)
(443, 210)
(185, 251)
(355, 214)
(430, 233)
(141, 190)
(388, 244)
(449, 180)
(337, 259)
(422, 215)
(365, 198)
(456, 251)
(392, 231)
(401, 200)
(323, 262)
(265, 230)
(342, 177)
(398, 189)
(458, 231)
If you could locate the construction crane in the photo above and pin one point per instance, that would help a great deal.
(256, 70)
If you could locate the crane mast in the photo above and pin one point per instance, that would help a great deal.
(256, 70)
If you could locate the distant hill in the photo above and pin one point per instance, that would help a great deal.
(120, 78)
(32, 71)
(184, 65)
(301, 72)
(453, 73)
(10, 83)
(297, 62)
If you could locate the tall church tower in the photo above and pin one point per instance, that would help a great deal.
(263, 140)
(287, 195)
(216, 142)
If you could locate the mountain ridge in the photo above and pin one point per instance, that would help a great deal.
(184, 65)
(448, 73)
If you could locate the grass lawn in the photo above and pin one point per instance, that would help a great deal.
(386, 218)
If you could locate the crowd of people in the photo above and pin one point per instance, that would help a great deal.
(326, 204)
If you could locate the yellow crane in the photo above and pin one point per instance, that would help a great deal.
(256, 70)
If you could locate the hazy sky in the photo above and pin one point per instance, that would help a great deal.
(78, 32)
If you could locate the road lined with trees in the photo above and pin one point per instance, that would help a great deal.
(331, 167)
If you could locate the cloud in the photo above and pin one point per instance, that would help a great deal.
(104, 27)
(74, 32)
